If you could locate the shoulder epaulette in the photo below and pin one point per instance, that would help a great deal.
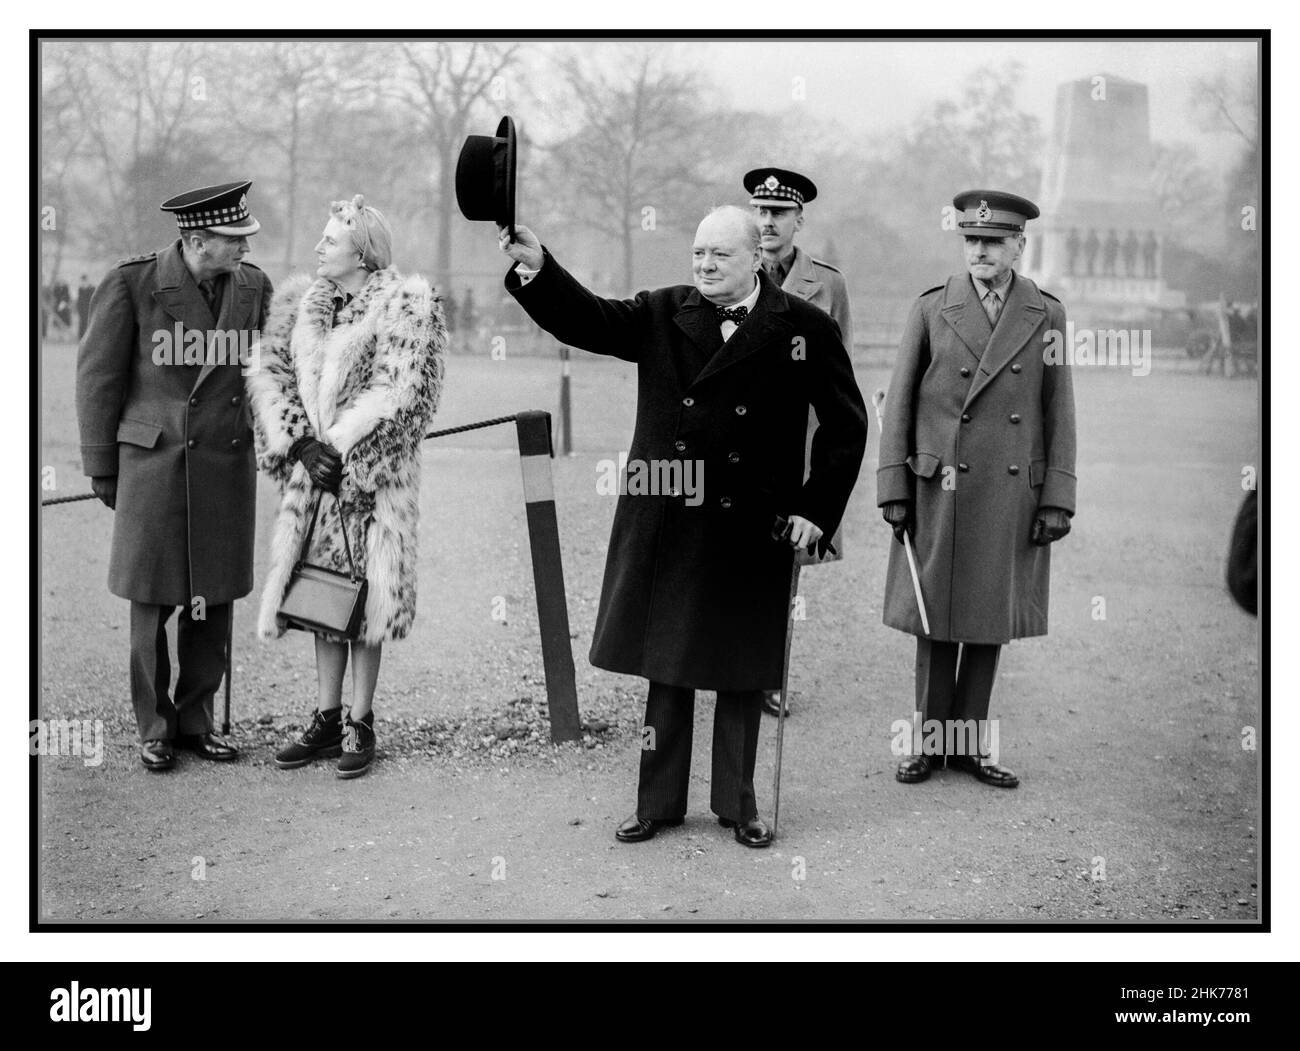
(1049, 295)
(928, 291)
(245, 262)
(827, 266)
(147, 257)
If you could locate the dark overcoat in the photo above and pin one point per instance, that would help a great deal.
(178, 436)
(979, 430)
(696, 595)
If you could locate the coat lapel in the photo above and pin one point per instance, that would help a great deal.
(802, 280)
(236, 312)
(697, 319)
(177, 292)
(963, 312)
(757, 330)
(1021, 316)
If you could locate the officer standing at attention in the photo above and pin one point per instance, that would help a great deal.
(167, 441)
(977, 466)
(777, 197)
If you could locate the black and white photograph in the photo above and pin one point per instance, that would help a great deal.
(599, 479)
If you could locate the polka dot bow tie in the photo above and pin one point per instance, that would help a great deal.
(736, 314)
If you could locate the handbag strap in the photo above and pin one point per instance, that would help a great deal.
(343, 528)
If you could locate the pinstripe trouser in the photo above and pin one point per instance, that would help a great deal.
(666, 755)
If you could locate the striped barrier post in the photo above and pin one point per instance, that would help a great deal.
(534, 430)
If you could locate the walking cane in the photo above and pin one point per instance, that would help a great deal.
(780, 532)
(230, 634)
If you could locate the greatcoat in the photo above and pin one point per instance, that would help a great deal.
(696, 596)
(176, 435)
(368, 387)
(979, 430)
(823, 286)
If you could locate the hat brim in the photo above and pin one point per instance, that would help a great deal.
(773, 202)
(244, 228)
(506, 130)
(988, 232)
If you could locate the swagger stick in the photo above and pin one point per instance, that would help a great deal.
(878, 403)
(781, 532)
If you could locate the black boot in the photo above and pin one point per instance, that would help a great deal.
(323, 739)
(358, 745)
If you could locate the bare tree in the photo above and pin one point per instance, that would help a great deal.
(446, 84)
(637, 144)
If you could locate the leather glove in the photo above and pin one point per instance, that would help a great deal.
(1050, 525)
(324, 464)
(900, 516)
(105, 487)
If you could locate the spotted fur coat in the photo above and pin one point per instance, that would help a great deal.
(368, 387)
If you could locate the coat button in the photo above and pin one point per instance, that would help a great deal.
(234, 443)
(674, 491)
(965, 371)
(679, 445)
(688, 402)
(193, 443)
(725, 502)
(194, 401)
(1013, 469)
(1015, 368)
(733, 457)
(963, 467)
(1015, 417)
(741, 410)
(965, 417)
(234, 400)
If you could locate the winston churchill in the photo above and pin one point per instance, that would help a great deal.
(695, 589)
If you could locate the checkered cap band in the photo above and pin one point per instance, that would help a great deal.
(212, 217)
(776, 193)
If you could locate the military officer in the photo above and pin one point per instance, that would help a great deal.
(777, 197)
(167, 443)
(977, 468)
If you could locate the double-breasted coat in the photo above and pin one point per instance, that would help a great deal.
(696, 596)
(177, 435)
(979, 430)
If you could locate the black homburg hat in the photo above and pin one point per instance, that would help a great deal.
(485, 176)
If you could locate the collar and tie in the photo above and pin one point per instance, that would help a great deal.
(211, 295)
(992, 305)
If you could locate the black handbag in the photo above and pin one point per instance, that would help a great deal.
(320, 599)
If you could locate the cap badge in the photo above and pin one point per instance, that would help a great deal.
(243, 202)
(985, 213)
(771, 182)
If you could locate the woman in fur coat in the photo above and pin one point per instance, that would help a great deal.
(348, 378)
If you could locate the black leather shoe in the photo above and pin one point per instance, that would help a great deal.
(752, 833)
(914, 768)
(157, 754)
(635, 829)
(208, 746)
(772, 703)
(989, 773)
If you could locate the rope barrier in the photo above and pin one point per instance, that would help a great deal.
(495, 421)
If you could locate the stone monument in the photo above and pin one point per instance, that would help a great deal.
(1100, 240)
